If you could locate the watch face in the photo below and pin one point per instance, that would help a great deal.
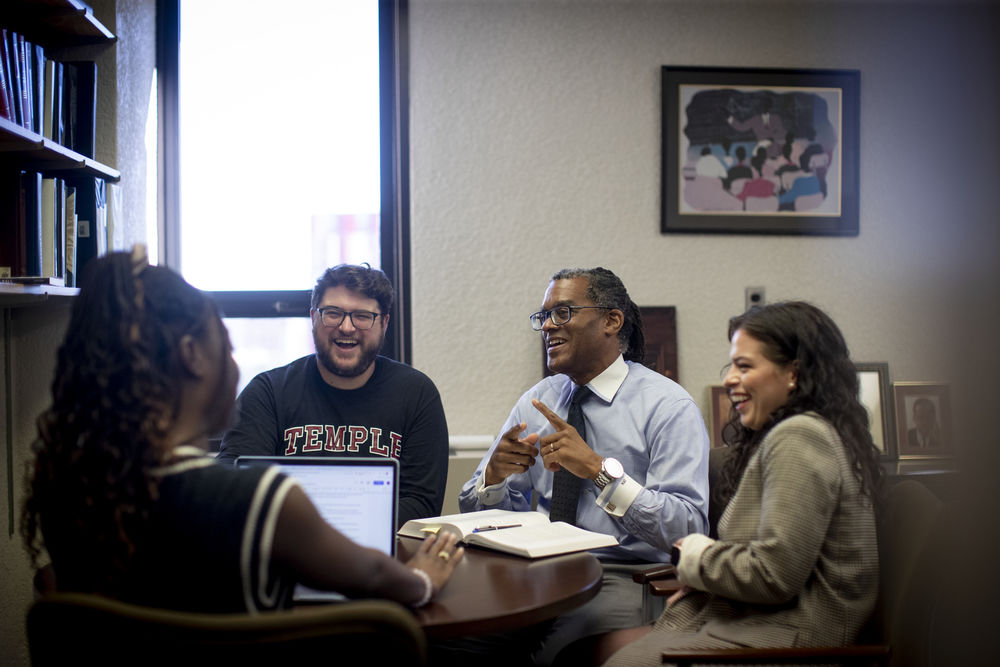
(614, 468)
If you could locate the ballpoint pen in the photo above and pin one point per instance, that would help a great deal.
(483, 529)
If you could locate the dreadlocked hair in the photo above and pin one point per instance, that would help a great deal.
(114, 397)
(606, 290)
(826, 384)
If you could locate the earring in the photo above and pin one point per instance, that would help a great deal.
(791, 386)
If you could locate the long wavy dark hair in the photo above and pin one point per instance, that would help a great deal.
(606, 289)
(114, 397)
(826, 383)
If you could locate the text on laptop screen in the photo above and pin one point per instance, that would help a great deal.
(357, 500)
(357, 496)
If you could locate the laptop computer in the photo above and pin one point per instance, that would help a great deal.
(357, 496)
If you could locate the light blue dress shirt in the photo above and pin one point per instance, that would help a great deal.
(646, 421)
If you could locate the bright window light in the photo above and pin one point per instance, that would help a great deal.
(279, 154)
(279, 148)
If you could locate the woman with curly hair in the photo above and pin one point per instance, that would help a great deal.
(122, 494)
(796, 562)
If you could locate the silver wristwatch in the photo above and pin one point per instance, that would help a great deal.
(611, 471)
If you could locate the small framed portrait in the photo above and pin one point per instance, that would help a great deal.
(873, 393)
(923, 420)
(722, 412)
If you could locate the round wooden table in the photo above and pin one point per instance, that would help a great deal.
(492, 592)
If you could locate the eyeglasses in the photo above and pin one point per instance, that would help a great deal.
(560, 315)
(361, 319)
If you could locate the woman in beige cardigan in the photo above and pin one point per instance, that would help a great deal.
(796, 562)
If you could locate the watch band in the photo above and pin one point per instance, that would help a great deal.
(603, 478)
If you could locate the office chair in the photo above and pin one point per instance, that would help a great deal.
(66, 628)
(897, 633)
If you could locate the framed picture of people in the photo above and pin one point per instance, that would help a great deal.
(923, 420)
(874, 394)
(760, 151)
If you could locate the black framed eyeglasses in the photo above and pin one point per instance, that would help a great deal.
(560, 315)
(361, 319)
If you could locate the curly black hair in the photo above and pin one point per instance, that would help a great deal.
(114, 396)
(826, 383)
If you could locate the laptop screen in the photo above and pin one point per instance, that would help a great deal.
(357, 496)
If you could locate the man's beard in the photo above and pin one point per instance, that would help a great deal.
(324, 352)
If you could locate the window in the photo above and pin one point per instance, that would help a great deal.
(282, 153)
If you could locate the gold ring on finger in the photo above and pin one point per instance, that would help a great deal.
(444, 555)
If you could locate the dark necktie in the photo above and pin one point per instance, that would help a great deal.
(566, 485)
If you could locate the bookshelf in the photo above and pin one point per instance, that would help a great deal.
(24, 149)
(62, 22)
(24, 295)
(59, 26)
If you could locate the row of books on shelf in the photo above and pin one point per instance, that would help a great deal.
(57, 100)
(51, 227)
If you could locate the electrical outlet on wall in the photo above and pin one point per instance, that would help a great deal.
(754, 297)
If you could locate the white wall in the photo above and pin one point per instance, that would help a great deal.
(34, 334)
(535, 145)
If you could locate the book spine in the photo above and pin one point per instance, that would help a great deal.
(22, 56)
(48, 247)
(60, 204)
(9, 71)
(70, 219)
(48, 218)
(58, 114)
(84, 117)
(38, 90)
(49, 95)
(31, 188)
(5, 109)
(87, 227)
(69, 104)
(101, 209)
(72, 223)
(10, 44)
(113, 215)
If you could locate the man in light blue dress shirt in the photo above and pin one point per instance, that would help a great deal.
(644, 459)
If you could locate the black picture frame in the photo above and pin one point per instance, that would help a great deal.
(806, 186)
(874, 394)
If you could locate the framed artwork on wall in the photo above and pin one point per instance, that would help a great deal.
(760, 151)
(659, 328)
(923, 420)
(873, 392)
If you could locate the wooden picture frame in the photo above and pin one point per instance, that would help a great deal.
(760, 151)
(659, 327)
(874, 394)
(923, 420)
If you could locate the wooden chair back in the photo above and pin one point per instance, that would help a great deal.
(70, 628)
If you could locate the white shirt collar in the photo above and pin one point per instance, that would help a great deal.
(607, 384)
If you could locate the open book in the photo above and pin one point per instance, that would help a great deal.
(527, 534)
